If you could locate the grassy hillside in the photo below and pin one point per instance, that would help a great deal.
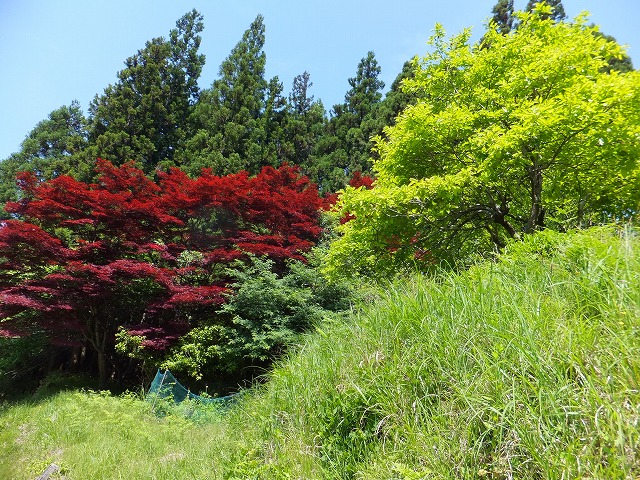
(525, 368)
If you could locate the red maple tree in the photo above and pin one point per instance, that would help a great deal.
(78, 261)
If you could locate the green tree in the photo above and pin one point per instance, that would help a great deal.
(504, 21)
(273, 122)
(365, 91)
(503, 16)
(266, 314)
(346, 146)
(305, 125)
(230, 131)
(557, 12)
(531, 133)
(620, 63)
(299, 98)
(144, 116)
(51, 149)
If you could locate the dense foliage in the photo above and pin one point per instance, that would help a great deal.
(532, 132)
(264, 316)
(230, 116)
(80, 260)
(50, 149)
(526, 368)
(156, 115)
(535, 127)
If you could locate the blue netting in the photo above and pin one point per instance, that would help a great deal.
(166, 386)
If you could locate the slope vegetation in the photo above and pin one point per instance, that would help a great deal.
(526, 367)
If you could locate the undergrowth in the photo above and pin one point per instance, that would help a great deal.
(527, 367)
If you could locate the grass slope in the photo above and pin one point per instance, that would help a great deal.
(524, 368)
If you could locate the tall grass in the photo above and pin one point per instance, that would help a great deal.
(523, 368)
(526, 368)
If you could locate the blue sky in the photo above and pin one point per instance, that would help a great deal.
(56, 51)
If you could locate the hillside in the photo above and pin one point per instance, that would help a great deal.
(526, 367)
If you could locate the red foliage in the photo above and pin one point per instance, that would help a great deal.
(357, 180)
(85, 259)
(28, 244)
(274, 213)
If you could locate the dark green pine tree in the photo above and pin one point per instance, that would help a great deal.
(304, 125)
(346, 146)
(365, 91)
(144, 116)
(299, 98)
(275, 144)
(230, 132)
(396, 99)
(503, 16)
(52, 148)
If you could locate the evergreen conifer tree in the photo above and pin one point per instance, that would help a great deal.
(503, 15)
(346, 146)
(304, 125)
(275, 144)
(51, 149)
(396, 99)
(228, 116)
(144, 116)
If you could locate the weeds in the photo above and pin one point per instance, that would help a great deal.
(523, 368)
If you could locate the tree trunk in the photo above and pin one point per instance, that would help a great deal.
(536, 218)
(99, 343)
(74, 363)
(102, 370)
(581, 207)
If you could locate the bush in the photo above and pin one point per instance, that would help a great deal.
(260, 321)
(19, 358)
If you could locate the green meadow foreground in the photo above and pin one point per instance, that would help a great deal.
(527, 367)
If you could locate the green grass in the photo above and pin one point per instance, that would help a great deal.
(94, 435)
(523, 368)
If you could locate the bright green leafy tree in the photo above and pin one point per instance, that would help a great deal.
(621, 64)
(504, 21)
(531, 133)
(556, 13)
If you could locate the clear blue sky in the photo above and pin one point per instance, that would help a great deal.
(56, 51)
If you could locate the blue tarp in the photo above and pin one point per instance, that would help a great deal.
(165, 385)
